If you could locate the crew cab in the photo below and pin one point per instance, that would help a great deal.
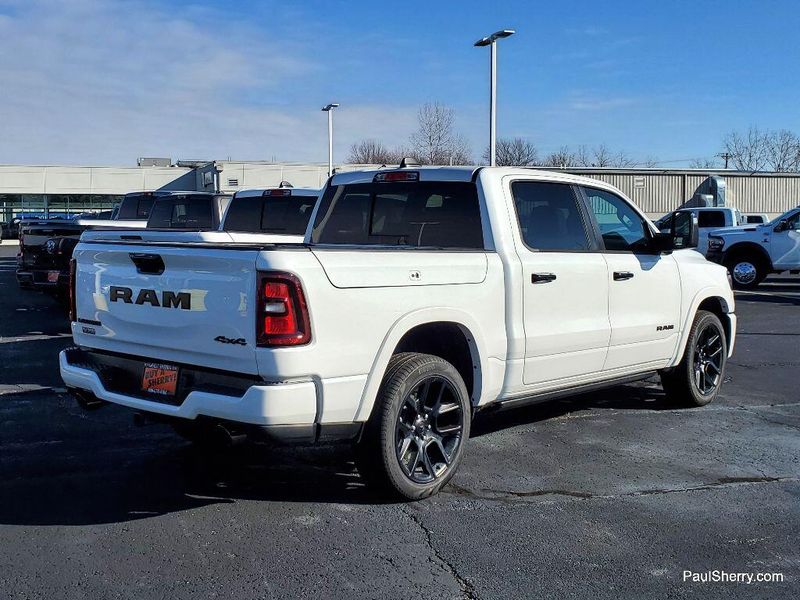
(753, 252)
(419, 297)
(709, 218)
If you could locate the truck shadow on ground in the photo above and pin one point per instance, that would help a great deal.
(114, 473)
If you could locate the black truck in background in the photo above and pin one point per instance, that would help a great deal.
(45, 245)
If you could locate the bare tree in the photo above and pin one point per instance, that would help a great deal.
(648, 163)
(583, 157)
(516, 152)
(702, 163)
(782, 151)
(562, 158)
(748, 150)
(602, 157)
(435, 142)
(372, 152)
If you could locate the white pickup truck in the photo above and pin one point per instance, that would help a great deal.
(709, 218)
(751, 253)
(419, 297)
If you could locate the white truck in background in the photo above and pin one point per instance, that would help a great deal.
(418, 297)
(708, 218)
(751, 253)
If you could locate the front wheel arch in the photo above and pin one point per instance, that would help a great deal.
(712, 300)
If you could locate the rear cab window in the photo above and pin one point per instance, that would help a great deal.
(286, 214)
(190, 211)
(136, 207)
(710, 218)
(418, 214)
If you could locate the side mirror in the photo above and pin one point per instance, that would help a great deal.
(662, 243)
(683, 230)
(783, 225)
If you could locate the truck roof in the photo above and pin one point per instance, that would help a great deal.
(163, 193)
(295, 191)
(447, 173)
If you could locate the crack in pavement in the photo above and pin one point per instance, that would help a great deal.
(511, 496)
(764, 418)
(467, 588)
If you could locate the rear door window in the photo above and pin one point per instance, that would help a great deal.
(549, 215)
(431, 214)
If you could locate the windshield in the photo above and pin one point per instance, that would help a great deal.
(786, 215)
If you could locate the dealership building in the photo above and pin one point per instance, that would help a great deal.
(68, 190)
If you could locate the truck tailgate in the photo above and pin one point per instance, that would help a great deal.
(172, 303)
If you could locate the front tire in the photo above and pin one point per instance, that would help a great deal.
(414, 441)
(697, 379)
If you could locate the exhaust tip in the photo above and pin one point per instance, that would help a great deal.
(87, 400)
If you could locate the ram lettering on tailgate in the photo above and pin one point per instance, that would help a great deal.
(167, 299)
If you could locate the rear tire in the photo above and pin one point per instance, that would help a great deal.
(697, 379)
(747, 271)
(414, 440)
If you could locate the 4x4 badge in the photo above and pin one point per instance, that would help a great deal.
(226, 340)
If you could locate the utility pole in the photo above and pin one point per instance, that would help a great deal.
(725, 156)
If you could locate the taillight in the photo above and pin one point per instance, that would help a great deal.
(282, 318)
(73, 307)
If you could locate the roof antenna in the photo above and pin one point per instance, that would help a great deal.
(285, 184)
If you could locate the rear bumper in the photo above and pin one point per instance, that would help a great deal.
(38, 278)
(279, 405)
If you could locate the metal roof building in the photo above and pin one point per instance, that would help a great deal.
(74, 189)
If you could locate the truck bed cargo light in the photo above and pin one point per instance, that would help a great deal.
(396, 176)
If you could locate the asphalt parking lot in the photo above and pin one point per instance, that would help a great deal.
(608, 495)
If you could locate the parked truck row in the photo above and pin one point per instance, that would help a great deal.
(413, 299)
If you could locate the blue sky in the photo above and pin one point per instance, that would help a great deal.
(100, 82)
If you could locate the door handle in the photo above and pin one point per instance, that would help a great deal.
(622, 275)
(542, 277)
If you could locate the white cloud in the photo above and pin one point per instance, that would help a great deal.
(98, 82)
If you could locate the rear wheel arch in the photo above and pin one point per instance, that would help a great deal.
(452, 337)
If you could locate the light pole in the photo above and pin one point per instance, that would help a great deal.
(329, 109)
(491, 41)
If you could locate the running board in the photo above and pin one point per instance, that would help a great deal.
(562, 393)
